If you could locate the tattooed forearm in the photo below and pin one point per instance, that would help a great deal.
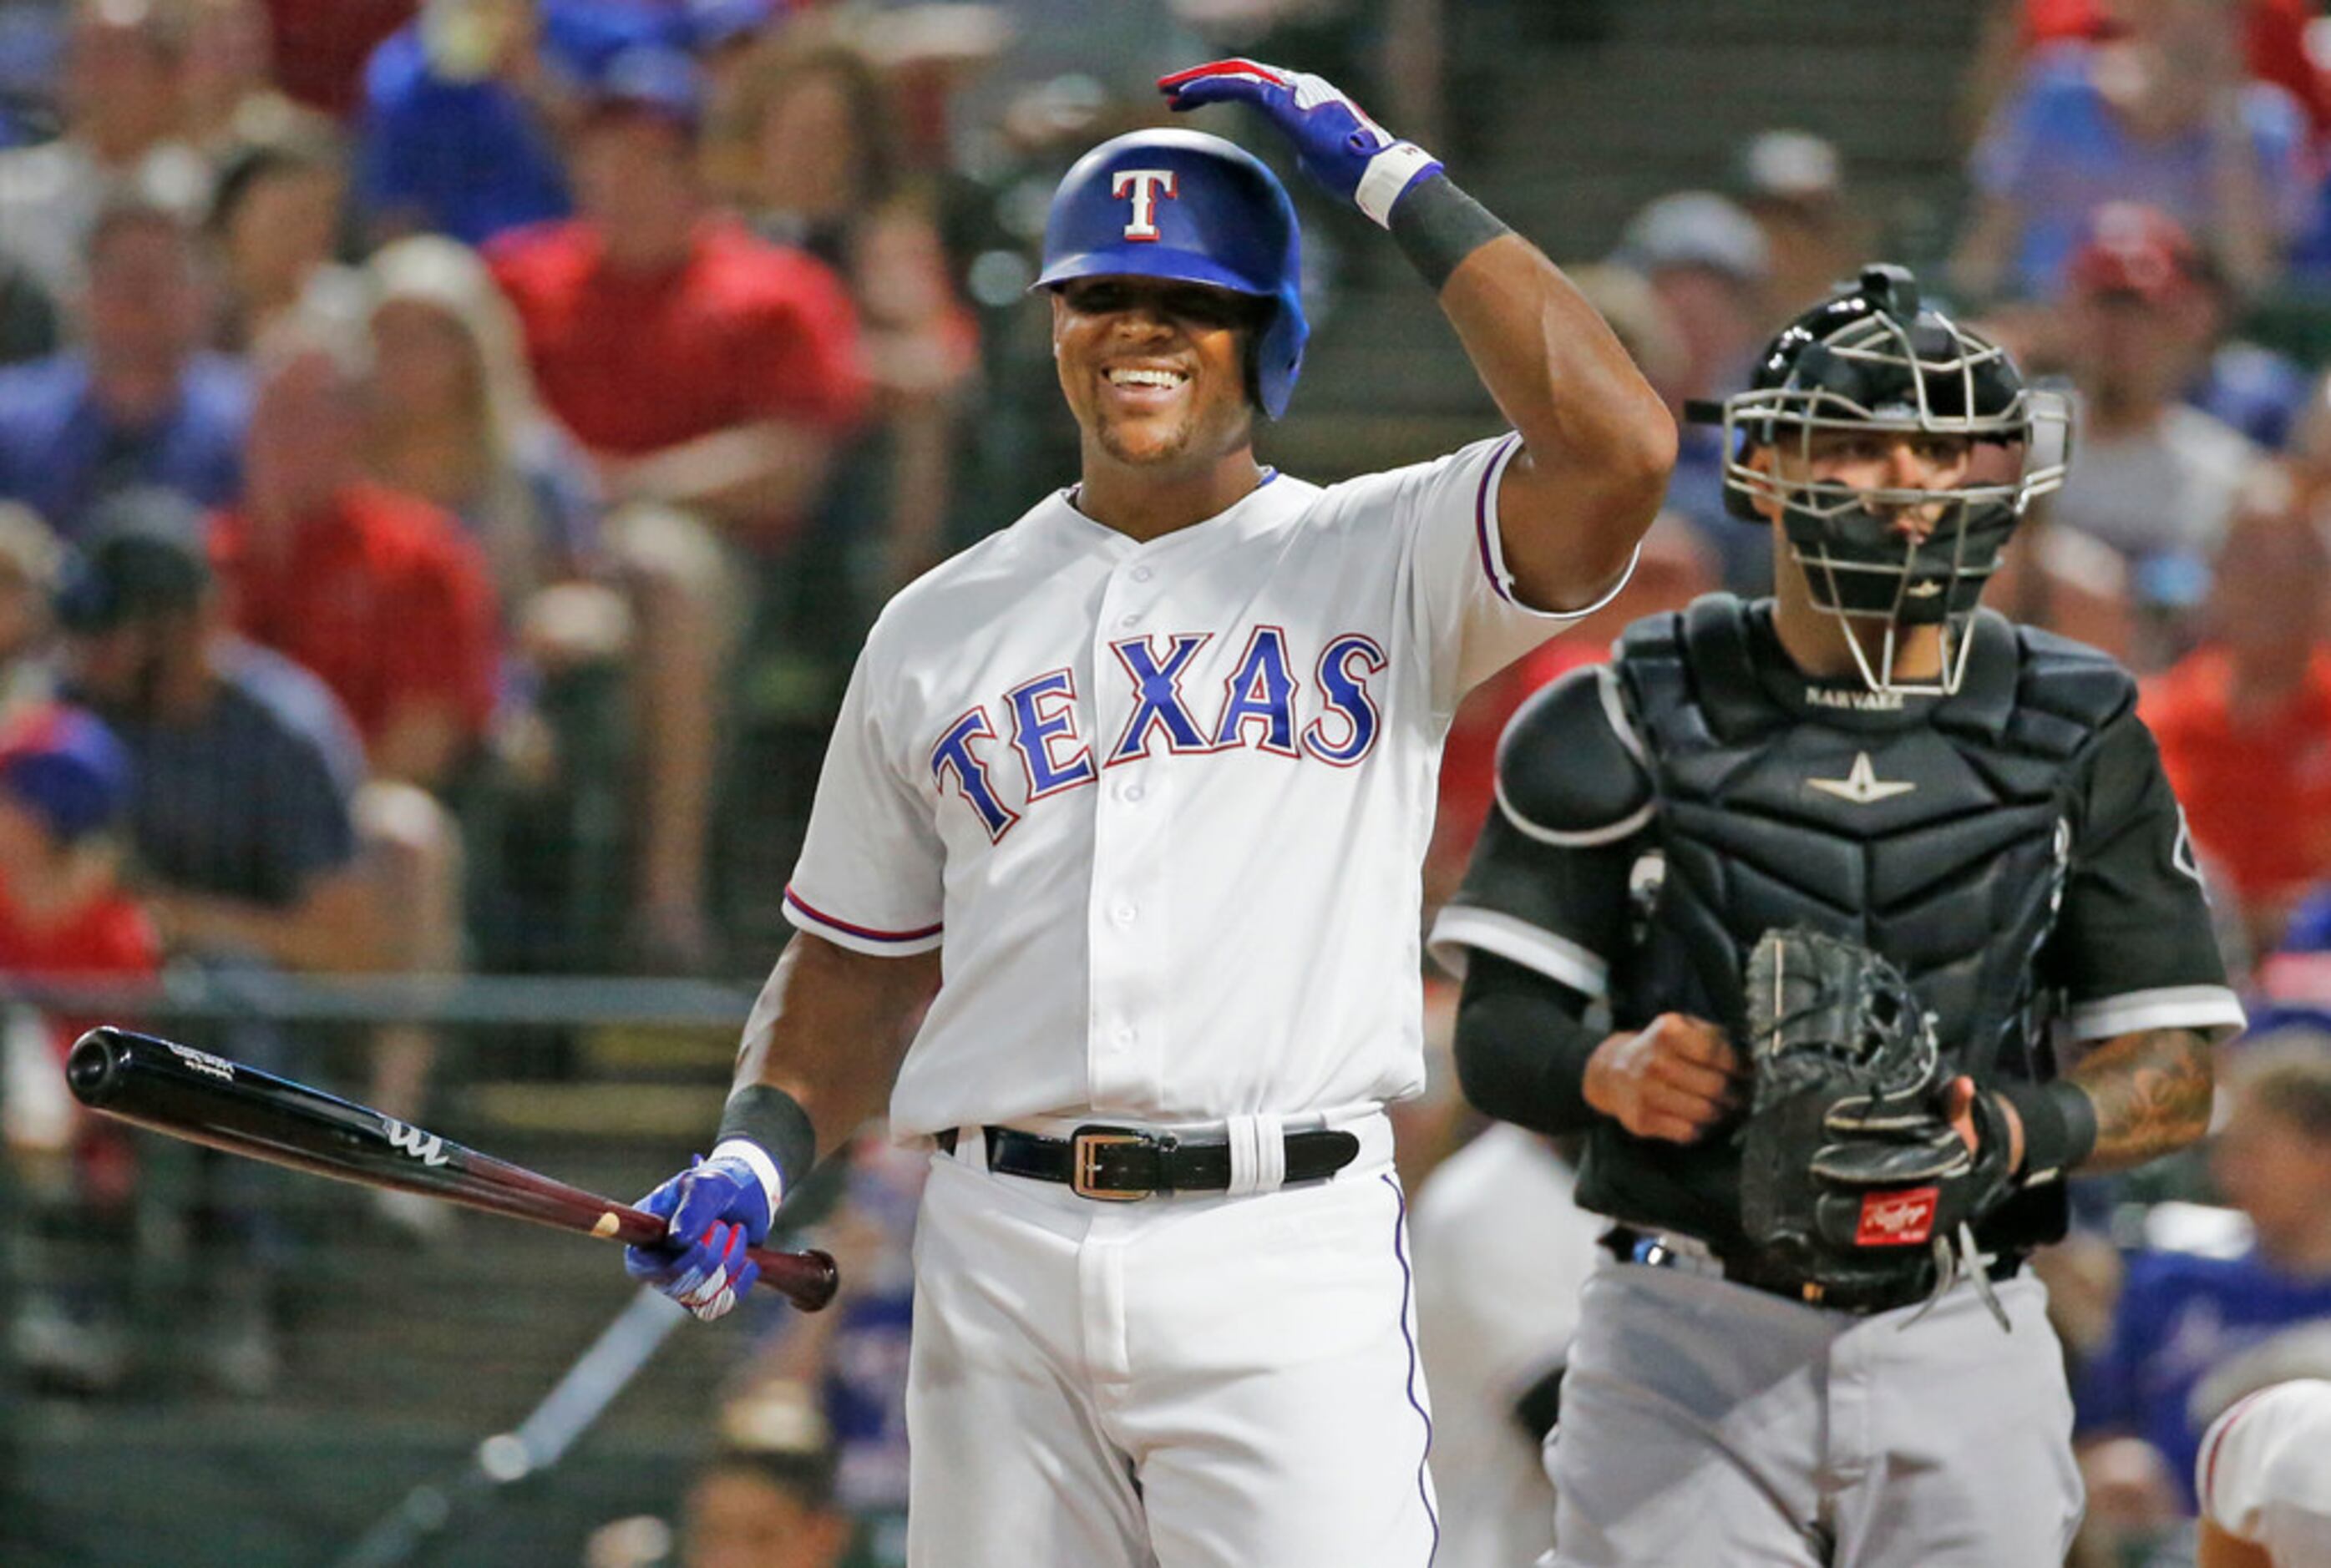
(2152, 1091)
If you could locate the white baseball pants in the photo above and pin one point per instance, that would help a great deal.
(1190, 1382)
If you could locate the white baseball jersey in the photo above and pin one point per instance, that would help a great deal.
(2264, 1474)
(1163, 805)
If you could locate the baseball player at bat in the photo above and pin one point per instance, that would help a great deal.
(1896, 922)
(1134, 795)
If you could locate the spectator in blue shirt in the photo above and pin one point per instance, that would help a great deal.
(2183, 1317)
(456, 133)
(2161, 114)
(459, 126)
(138, 405)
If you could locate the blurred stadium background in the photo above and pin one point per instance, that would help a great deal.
(450, 449)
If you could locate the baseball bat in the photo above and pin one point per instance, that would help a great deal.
(172, 1088)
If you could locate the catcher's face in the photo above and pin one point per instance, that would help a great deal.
(1879, 460)
(1155, 371)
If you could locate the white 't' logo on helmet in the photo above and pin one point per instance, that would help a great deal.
(1144, 185)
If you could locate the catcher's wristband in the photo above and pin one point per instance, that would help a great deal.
(2059, 1127)
(1437, 226)
(767, 1121)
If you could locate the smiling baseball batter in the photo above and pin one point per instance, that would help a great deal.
(1134, 795)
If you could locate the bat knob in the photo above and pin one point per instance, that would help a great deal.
(820, 1291)
(93, 1070)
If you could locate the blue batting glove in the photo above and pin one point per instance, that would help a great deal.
(713, 1212)
(1339, 146)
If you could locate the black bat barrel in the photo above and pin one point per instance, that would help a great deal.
(193, 1094)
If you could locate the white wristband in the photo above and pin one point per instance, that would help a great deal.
(756, 1160)
(1389, 173)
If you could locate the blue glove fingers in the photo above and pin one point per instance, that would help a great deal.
(1249, 74)
(1230, 90)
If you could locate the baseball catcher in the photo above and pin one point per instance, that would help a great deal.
(1892, 916)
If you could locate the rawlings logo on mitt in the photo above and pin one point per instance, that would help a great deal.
(1852, 1177)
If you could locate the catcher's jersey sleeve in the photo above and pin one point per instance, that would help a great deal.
(2264, 1473)
(1547, 887)
(870, 875)
(2133, 947)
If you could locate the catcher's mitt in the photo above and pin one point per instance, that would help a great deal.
(1852, 1178)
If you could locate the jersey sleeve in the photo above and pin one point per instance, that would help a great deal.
(1468, 614)
(2133, 946)
(1547, 886)
(871, 873)
(2264, 1471)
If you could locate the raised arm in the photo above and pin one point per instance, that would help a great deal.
(1597, 444)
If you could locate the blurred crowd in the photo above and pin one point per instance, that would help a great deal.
(450, 450)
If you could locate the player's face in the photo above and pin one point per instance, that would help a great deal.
(1881, 460)
(1155, 371)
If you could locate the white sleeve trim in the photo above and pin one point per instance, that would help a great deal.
(2166, 1007)
(1583, 837)
(1462, 925)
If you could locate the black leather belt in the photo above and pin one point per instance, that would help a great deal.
(1125, 1165)
(1632, 1246)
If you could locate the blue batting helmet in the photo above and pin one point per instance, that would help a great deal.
(1192, 207)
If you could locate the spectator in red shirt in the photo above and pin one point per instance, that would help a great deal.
(724, 397)
(381, 594)
(736, 374)
(2244, 721)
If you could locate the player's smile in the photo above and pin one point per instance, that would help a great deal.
(1145, 384)
(1155, 369)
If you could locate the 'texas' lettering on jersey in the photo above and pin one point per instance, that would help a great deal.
(1044, 721)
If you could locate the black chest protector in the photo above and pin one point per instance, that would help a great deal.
(1936, 832)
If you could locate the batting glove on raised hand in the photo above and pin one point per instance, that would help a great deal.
(713, 1212)
(1335, 142)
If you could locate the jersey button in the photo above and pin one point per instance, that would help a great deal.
(1142, 574)
(1132, 792)
(1129, 622)
(1127, 1036)
(1123, 913)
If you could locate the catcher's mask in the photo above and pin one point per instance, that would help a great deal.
(1872, 358)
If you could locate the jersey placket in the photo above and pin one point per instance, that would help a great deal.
(1128, 915)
